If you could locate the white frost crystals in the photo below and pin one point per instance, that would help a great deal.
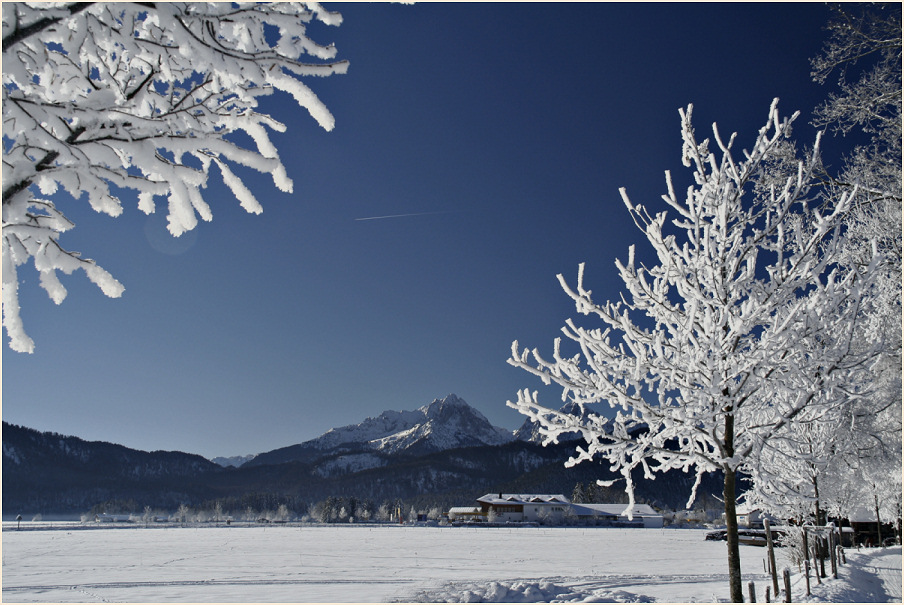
(740, 326)
(106, 98)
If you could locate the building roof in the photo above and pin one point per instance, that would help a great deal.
(464, 510)
(639, 510)
(523, 499)
(862, 514)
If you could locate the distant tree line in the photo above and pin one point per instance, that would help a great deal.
(273, 508)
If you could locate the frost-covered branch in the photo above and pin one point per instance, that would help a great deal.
(100, 98)
(736, 334)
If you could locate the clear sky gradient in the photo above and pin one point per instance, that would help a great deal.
(486, 144)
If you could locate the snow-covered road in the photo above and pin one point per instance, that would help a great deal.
(871, 576)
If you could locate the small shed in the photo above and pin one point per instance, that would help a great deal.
(466, 514)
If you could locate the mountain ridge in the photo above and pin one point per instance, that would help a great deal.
(48, 473)
(442, 424)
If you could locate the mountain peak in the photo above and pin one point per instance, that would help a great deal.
(442, 424)
(447, 404)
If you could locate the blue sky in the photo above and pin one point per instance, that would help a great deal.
(504, 129)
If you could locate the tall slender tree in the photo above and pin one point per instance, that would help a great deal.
(692, 356)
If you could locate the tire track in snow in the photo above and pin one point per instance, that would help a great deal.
(230, 582)
(605, 587)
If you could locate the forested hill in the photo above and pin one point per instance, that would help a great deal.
(48, 473)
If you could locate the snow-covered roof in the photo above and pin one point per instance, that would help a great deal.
(640, 510)
(523, 499)
(464, 510)
(746, 509)
(862, 515)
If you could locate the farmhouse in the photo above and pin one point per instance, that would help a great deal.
(642, 515)
(865, 529)
(553, 509)
(524, 507)
(752, 517)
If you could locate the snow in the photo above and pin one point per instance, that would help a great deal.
(871, 576)
(370, 563)
(440, 425)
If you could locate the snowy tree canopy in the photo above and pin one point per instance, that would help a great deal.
(842, 459)
(742, 329)
(105, 98)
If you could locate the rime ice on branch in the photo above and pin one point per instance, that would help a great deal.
(105, 97)
(710, 354)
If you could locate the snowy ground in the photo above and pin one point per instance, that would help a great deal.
(382, 564)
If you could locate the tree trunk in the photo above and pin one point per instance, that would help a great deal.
(731, 532)
(878, 519)
(820, 514)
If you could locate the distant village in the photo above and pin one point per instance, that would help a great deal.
(506, 510)
(546, 509)
(489, 510)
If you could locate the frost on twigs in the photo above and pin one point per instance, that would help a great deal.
(737, 333)
(107, 97)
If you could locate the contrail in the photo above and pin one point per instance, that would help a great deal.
(376, 218)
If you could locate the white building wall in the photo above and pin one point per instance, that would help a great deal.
(545, 511)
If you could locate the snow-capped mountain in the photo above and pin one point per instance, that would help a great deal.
(442, 424)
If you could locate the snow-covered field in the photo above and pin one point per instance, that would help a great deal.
(70, 563)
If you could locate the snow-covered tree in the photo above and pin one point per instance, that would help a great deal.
(864, 51)
(577, 494)
(834, 456)
(182, 513)
(693, 355)
(106, 99)
(147, 516)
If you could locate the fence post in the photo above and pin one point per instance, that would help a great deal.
(807, 571)
(842, 558)
(806, 546)
(751, 590)
(816, 563)
(767, 595)
(833, 554)
(822, 556)
(771, 556)
(786, 575)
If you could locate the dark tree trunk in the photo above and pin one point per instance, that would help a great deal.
(820, 514)
(731, 516)
(878, 519)
(731, 532)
